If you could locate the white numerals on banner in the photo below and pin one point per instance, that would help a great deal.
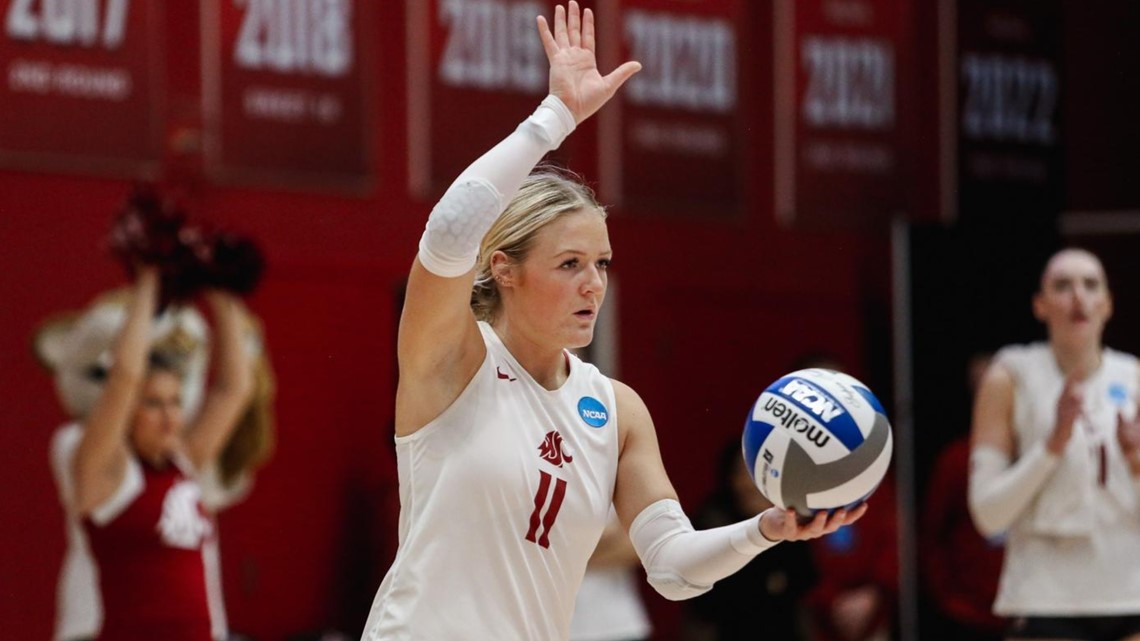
(68, 22)
(491, 45)
(689, 63)
(1009, 99)
(850, 83)
(296, 36)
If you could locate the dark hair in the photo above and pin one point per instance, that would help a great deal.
(161, 361)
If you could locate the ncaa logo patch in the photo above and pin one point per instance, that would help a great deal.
(592, 411)
(1117, 393)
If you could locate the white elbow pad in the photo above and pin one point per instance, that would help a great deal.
(450, 243)
(682, 563)
(449, 246)
(651, 532)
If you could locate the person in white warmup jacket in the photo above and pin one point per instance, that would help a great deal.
(510, 449)
(1055, 467)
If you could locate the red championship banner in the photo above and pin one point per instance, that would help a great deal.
(285, 86)
(82, 85)
(476, 69)
(1001, 95)
(675, 142)
(837, 133)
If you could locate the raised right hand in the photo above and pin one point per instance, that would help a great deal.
(574, 75)
(146, 278)
(1069, 407)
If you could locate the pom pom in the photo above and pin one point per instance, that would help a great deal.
(146, 230)
(237, 264)
(190, 257)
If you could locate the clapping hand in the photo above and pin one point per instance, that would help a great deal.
(1128, 434)
(1069, 407)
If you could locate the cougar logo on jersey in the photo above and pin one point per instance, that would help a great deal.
(551, 449)
(182, 524)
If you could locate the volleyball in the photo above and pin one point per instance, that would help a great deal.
(817, 439)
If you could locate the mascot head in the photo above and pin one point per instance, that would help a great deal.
(77, 348)
(191, 257)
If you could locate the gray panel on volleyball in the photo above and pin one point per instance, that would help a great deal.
(797, 485)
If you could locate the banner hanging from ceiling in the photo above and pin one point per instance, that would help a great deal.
(838, 78)
(286, 92)
(82, 86)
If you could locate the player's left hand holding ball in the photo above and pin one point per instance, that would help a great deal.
(784, 525)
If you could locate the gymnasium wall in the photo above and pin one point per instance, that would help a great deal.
(719, 292)
(713, 307)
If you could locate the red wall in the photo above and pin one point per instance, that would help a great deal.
(710, 313)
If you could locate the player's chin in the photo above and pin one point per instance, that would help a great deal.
(580, 336)
(170, 444)
(1083, 330)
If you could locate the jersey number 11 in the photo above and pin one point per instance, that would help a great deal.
(547, 521)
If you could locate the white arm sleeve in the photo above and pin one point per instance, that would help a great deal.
(450, 243)
(999, 492)
(681, 562)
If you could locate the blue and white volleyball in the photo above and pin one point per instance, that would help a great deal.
(817, 440)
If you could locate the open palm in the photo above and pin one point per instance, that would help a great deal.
(784, 525)
(574, 75)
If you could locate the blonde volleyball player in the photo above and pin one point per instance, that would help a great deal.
(510, 449)
(1055, 464)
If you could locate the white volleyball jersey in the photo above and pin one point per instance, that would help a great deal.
(1073, 551)
(503, 498)
(609, 607)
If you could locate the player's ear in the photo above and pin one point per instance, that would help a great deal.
(502, 270)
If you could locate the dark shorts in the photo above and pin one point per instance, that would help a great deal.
(1108, 628)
